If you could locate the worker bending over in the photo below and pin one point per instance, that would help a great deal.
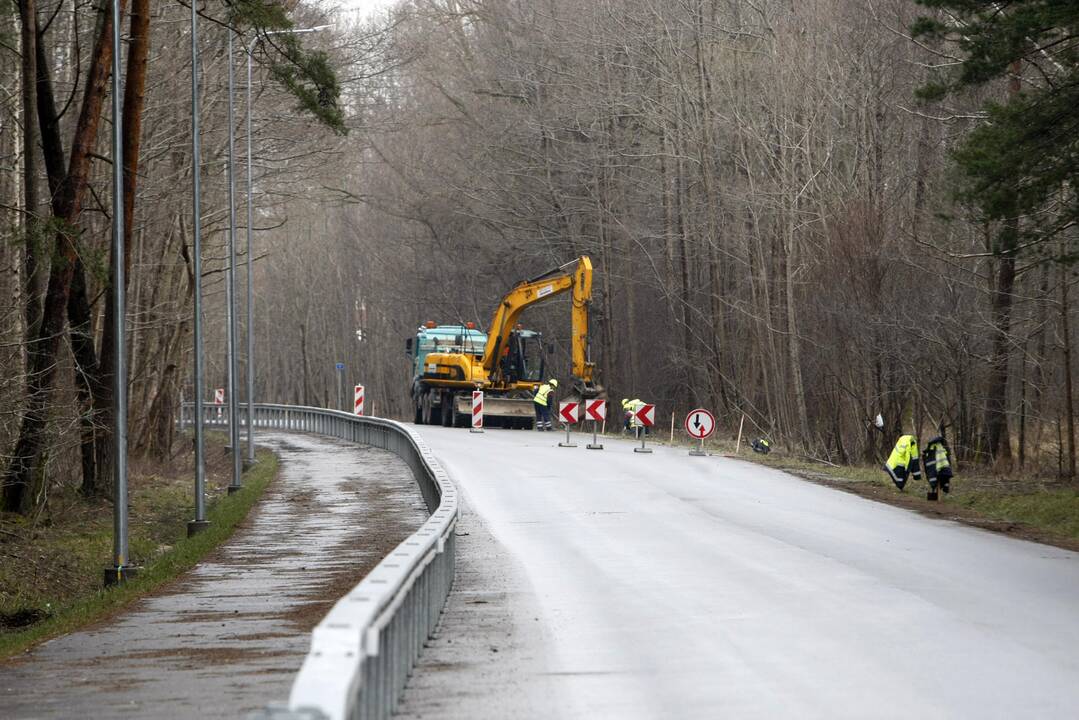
(904, 461)
(631, 421)
(938, 466)
(541, 401)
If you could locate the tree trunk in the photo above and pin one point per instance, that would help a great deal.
(44, 348)
(134, 96)
(33, 273)
(1069, 402)
(996, 401)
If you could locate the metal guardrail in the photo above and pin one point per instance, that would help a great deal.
(364, 649)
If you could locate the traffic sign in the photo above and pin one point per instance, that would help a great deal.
(569, 410)
(357, 406)
(596, 410)
(340, 366)
(646, 415)
(219, 396)
(700, 423)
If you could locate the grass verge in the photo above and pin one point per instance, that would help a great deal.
(158, 514)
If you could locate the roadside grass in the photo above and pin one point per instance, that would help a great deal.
(1041, 509)
(52, 572)
(1056, 511)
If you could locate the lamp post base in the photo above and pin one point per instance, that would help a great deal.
(194, 527)
(118, 575)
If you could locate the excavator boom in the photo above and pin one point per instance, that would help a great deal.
(576, 277)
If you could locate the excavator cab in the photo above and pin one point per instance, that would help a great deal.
(523, 358)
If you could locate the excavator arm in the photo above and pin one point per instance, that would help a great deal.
(576, 277)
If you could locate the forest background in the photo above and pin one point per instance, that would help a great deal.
(801, 213)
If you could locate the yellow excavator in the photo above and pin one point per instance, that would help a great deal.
(506, 363)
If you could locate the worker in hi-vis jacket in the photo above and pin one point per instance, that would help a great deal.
(541, 401)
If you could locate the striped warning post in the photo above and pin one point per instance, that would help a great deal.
(477, 411)
(357, 406)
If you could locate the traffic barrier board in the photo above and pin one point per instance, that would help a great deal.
(219, 396)
(477, 411)
(569, 410)
(700, 423)
(646, 415)
(596, 410)
(357, 406)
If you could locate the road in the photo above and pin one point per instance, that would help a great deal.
(604, 583)
(227, 637)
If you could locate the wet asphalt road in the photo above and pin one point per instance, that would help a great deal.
(228, 637)
(606, 584)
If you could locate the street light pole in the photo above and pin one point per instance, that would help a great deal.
(230, 295)
(250, 284)
(200, 522)
(250, 293)
(120, 570)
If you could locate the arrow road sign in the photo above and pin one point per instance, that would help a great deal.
(700, 423)
(596, 410)
(646, 415)
(568, 410)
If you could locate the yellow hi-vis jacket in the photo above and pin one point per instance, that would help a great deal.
(542, 394)
(632, 407)
(904, 453)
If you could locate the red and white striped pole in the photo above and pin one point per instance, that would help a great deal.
(357, 405)
(477, 411)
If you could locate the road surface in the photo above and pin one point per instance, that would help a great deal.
(228, 637)
(618, 585)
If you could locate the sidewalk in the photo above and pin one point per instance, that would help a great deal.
(226, 638)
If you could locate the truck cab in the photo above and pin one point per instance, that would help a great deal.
(431, 338)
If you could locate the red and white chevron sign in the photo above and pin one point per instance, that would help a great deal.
(219, 396)
(357, 405)
(596, 410)
(568, 410)
(646, 415)
(477, 409)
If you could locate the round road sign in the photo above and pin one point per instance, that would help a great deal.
(700, 423)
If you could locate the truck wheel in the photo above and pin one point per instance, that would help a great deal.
(426, 409)
(447, 410)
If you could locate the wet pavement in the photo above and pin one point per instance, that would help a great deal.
(227, 638)
(612, 584)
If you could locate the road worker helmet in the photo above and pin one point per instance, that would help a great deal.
(552, 382)
(625, 403)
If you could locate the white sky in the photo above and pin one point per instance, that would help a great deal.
(364, 7)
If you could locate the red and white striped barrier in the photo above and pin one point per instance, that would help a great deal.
(477, 411)
(219, 400)
(357, 405)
